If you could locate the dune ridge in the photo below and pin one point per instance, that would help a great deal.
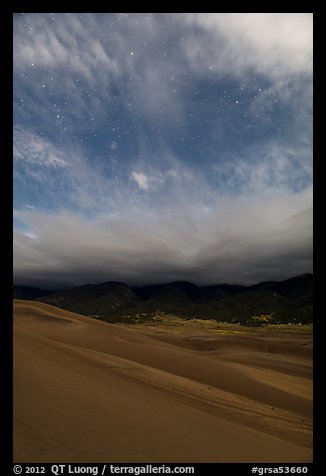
(88, 391)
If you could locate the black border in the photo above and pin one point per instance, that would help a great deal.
(6, 201)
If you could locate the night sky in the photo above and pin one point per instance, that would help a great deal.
(157, 147)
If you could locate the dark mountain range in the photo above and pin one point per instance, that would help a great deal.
(286, 301)
(189, 290)
(298, 288)
(94, 299)
(26, 292)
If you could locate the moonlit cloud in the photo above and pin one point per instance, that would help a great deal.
(274, 44)
(31, 148)
(162, 146)
(236, 241)
(140, 179)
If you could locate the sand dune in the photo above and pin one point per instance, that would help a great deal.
(88, 391)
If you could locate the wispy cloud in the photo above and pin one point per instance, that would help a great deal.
(61, 175)
(102, 53)
(58, 41)
(33, 149)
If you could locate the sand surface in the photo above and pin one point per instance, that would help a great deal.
(88, 391)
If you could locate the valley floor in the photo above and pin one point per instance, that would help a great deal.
(89, 391)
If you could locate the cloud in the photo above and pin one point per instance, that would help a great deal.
(56, 176)
(140, 179)
(272, 44)
(58, 56)
(31, 148)
(238, 240)
(270, 168)
(58, 41)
